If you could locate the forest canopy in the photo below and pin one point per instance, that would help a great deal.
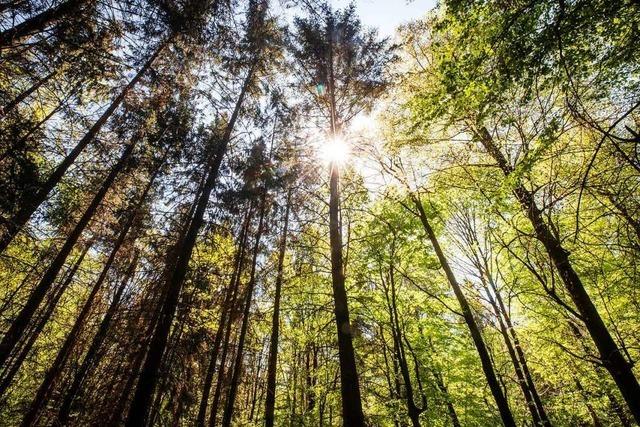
(264, 212)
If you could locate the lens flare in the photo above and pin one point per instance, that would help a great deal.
(334, 150)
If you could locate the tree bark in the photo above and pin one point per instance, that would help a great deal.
(17, 222)
(23, 318)
(225, 316)
(235, 379)
(42, 321)
(138, 412)
(40, 22)
(485, 358)
(611, 356)
(90, 357)
(275, 324)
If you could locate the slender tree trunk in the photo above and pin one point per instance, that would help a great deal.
(25, 94)
(23, 318)
(225, 316)
(476, 335)
(138, 412)
(610, 354)
(275, 325)
(92, 353)
(17, 222)
(40, 22)
(237, 369)
(522, 382)
(42, 321)
(58, 365)
(455, 421)
(521, 357)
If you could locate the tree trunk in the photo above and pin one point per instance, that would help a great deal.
(610, 355)
(40, 22)
(225, 316)
(138, 412)
(485, 358)
(235, 379)
(92, 353)
(544, 419)
(56, 369)
(275, 325)
(25, 94)
(42, 321)
(17, 222)
(23, 318)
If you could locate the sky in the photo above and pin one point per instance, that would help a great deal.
(386, 15)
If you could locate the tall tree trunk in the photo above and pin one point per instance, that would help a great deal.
(225, 316)
(455, 421)
(476, 335)
(544, 419)
(17, 222)
(15, 365)
(25, 94)
(237, 369)
(610, 354)
(56, 368)
(517, 367)
(21, 321)
(275, 324)
(139, 409)
(41, 21)
(412, 410)
(92, 353)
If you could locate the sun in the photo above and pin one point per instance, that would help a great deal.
(334, 150)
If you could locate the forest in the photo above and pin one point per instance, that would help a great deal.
(269, 213)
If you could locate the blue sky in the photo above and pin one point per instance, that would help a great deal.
(386, 15)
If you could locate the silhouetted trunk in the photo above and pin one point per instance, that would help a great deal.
(237, 368)
(225, 317)
(390, 294)
(485, 358)
(25, 94)
(56, 369)
(17, 222)
(42, 321)
(275, 325)
(41, 21)
(23, 318)
(610, 355)
(544, 419)
(445, 392)
(92, 353)
(517, 367)
(138, 412)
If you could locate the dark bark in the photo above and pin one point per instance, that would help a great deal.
(138, 412)
(237, 368)
(23, 318)
(17, 222)
(90, 358)
(225, 316)
(275, 325)
(41, 21)
(610, 355)
(544, 419)
(476, 335)
(56, 368)
(25, 94)
(455, 421)
(39, 326)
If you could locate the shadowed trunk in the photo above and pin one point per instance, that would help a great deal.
(275, 325)
(23, 318)
(485, 358)
(16, 223)
(610, 354)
